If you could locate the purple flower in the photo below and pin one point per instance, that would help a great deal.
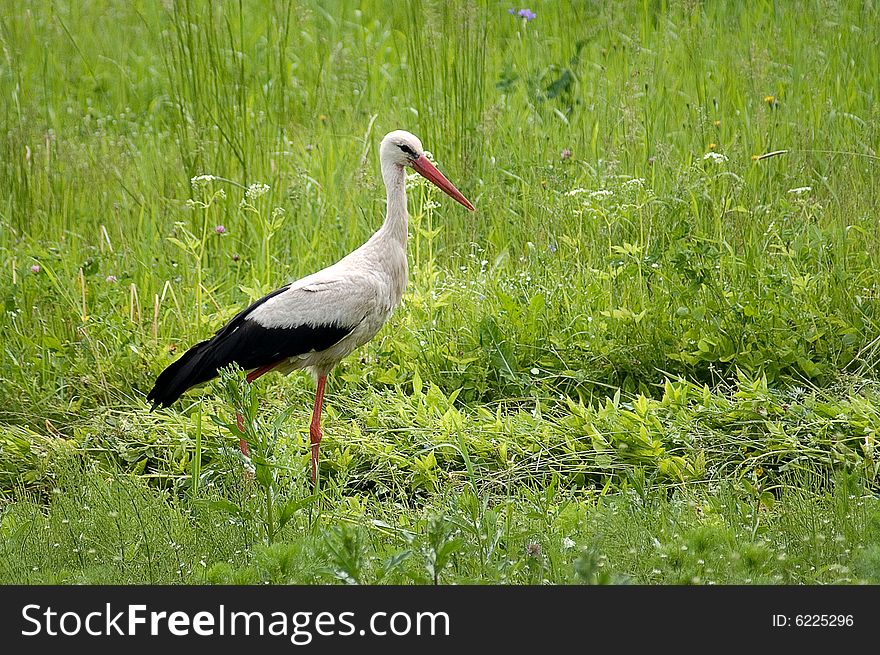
(511, 11)
(528, 14)
(35, 268)
(112, 279)
(220, 229)
(565, 154)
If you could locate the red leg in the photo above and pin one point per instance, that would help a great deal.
(239, 419)
(257, 372)
(315, 428)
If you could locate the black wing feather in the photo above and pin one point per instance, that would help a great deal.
(243, 342)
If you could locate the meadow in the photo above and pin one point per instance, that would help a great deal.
(648, 357)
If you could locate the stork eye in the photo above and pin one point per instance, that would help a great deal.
(407, 150)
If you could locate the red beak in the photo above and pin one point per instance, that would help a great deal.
(427, 170)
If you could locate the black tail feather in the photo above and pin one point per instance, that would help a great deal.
(193, 368)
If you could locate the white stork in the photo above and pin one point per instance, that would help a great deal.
(316, 321)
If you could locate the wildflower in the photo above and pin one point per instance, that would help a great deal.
(220, 229)
(798, 191)
(112, 279)
(716, 123)
(712, 146)
(568, 543)
(715, 157)
(601, 193)
(511, 11)
(35, 268)
(565, 154)
(254, 191)
(201, 180)
(528, 14)
(770, 101)
(410, 179)
(535, 371)
(533, 549)
(552, 247)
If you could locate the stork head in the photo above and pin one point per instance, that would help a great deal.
(400, 148)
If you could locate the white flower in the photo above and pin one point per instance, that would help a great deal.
(575, 192)
(800, 190)
(568, 543)
(254, 191)
(715, 157)
(413, 180)
(636, 182)
(602, 193)
(201, 180)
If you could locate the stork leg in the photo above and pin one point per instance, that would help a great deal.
(315, 433)
(239, 419)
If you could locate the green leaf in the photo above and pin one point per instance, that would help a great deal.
(226, 507)
(292, 506)
(394, 561)
(264, 474)
(500, 351)
(417, 383)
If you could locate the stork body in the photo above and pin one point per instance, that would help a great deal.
(315, 322)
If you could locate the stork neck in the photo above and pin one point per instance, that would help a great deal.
(395, 225)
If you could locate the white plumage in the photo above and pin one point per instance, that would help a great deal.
(316, 321)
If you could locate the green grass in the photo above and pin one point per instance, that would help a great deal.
(111, 528)
(653, 360)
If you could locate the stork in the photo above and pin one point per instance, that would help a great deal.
(315, 322)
